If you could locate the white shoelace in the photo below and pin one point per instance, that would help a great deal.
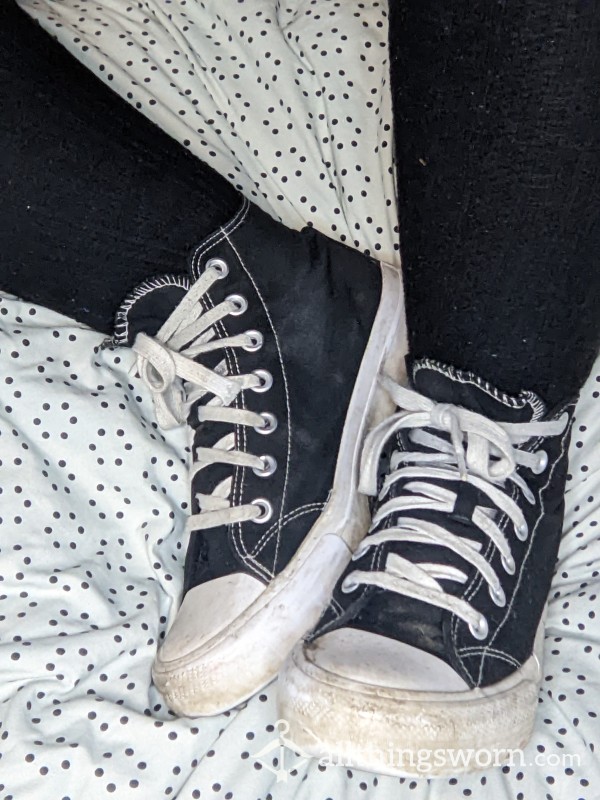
(166, 364)
(480, 452)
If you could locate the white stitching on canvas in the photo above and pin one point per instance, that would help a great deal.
(287, 397)
(475, 584)
(290, 517)
(121, 333)
(493, 650)
(530, 545)
(239, 473)
(217, 237)
(524, 398)
(299, 511)
(493, 653)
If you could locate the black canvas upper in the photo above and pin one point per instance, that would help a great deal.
(512, 628)
(314, 301)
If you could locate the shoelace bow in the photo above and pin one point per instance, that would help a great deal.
(166, 363)
(479, 451)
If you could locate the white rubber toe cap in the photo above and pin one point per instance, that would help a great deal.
(375, 660)
(207, 610)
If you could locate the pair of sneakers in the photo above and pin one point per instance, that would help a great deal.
(382, 542)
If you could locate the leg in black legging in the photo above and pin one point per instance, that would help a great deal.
(498, 165)
(94, 197)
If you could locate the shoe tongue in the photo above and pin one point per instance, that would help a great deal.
(445, 384)
(148, 306)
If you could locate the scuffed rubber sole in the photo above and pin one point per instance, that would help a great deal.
(403, 733)
(245, 656)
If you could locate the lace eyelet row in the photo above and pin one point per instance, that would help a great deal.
(240, 305)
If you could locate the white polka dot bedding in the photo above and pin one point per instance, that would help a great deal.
(94, 501)
(94, 496)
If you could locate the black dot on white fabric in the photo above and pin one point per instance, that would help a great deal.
(90, 578)
(290, 102)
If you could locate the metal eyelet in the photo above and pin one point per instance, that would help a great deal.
(270, 423)
(269, 467)
(266, 510)
(522, 532)
(509, 565)
(481, 629)
(239, 302)
(257, 341)
(349, 585)
(219, 265)
(542, 462)
(498, 596)
(266, 380)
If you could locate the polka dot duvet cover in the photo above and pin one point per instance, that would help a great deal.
(290, 102)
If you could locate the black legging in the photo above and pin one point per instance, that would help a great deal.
(94, 197)
(497, 149)
(496, 118)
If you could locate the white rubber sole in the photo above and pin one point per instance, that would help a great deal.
(245, 656)
(403, 733)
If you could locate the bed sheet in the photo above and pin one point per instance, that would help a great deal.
(93, 504)
(93, 496)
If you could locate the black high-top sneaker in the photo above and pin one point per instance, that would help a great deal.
(431, 649)
(269, 351)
